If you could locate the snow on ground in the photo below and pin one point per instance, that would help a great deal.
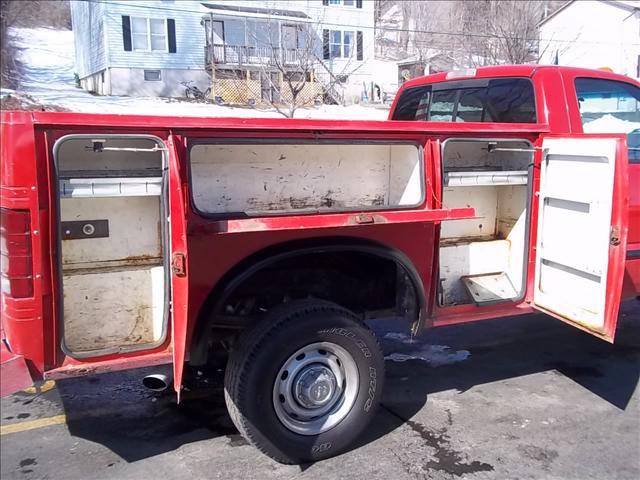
(434, 355)
(48, 61)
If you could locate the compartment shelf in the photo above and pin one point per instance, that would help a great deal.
(479, 178)
(110, 187)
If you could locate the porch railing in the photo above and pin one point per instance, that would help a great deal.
(245, 55)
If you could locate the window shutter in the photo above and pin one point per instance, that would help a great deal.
(359, 48)
(126, 32)
(358, 3)
(325, 2)
(171, 33)
(325, 45)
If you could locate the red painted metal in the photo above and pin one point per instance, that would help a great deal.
(178, 189)
(14, 373)
(75, 368)
(337, 220)
(22, 318)
(211, 248)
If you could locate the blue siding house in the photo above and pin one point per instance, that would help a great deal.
(139, 48)
(147, 48)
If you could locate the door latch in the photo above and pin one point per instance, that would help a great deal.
(179, 264)
(614, 235)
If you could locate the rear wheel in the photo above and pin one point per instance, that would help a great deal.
(305, 382)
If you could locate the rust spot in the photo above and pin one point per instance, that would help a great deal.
(366, 219)
(141, 259)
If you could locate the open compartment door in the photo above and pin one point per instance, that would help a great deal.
(179, 279)
(582, 230)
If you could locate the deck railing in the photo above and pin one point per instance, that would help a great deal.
(220, 54)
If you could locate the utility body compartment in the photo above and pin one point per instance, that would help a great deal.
(156, 227)
(130, 241)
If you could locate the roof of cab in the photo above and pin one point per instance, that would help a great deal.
(513, 71)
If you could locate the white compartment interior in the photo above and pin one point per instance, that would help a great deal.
(114, 286)
(254, 178)
(482, 259)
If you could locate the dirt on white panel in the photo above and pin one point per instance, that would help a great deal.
(485, 202)
(134, 231)
(113, 308)
(265, 178)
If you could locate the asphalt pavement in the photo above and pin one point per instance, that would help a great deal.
(520, 398)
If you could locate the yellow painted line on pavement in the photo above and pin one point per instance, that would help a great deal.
(44, 387)
(32, 424)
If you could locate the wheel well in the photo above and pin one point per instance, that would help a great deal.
(365, 277)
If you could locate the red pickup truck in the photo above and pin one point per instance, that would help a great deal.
(132, 241)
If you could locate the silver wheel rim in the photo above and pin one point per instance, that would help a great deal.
(315, 388)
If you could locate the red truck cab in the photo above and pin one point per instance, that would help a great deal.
(265, 245)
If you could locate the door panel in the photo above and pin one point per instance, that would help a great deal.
(179, 264)
(582, 228)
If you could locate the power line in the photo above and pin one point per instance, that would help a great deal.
(366, 27)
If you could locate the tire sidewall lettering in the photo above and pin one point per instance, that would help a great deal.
(366, 352)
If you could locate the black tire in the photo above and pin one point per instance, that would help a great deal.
(255, 364)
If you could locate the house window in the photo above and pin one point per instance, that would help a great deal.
(158, 34)
(149, 34)
(346, 3)
(338, 44)
(152, 76)
(348, 42)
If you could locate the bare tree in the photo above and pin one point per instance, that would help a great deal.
(475, 33)
(283, 66)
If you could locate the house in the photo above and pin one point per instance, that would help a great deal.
(593, 34)
(148, 48)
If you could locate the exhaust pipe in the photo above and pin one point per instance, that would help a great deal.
(156, 382)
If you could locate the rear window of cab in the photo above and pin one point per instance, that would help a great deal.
(500, 100)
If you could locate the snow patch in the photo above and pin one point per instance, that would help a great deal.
(610, 124)
(434, 355)
(399, 337)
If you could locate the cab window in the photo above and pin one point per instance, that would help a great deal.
(501, 100)
(609, 106)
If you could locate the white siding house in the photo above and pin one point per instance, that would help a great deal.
(137, 47)
(593, 34)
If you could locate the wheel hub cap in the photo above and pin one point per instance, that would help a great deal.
(315, 386)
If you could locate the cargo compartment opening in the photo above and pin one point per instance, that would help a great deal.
(112, 243)
(270, 177)
(482, 260)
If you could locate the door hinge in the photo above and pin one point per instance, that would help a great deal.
(179, 264)
(614, 235)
